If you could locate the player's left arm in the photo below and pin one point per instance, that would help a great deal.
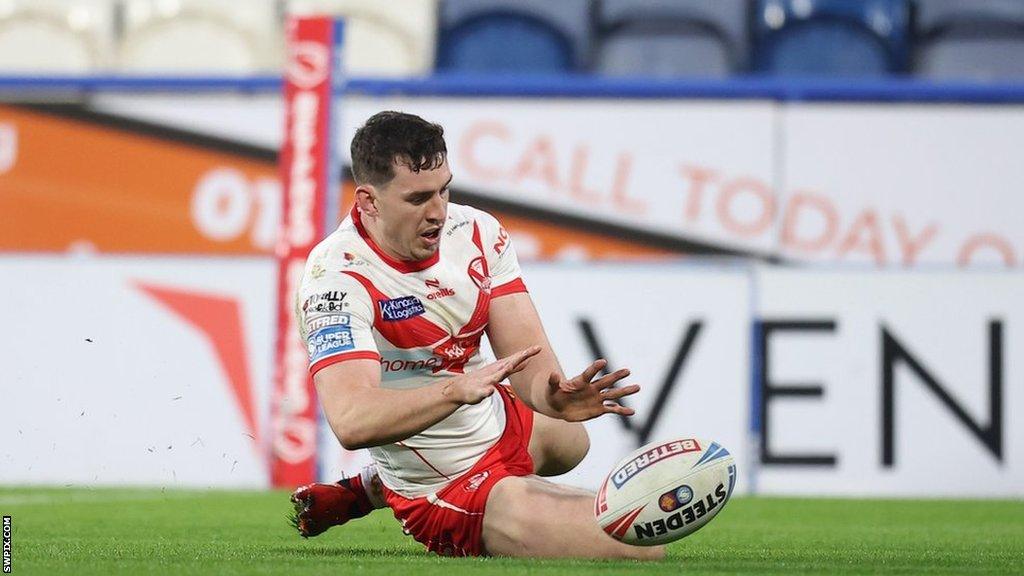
(515, 324)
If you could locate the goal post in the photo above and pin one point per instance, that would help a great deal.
(313, 81)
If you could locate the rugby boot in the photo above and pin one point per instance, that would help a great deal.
(321, 506)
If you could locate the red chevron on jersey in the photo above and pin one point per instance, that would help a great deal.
(415, 332)
(418, 332)
(480, 274)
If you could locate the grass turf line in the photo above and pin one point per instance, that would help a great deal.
(221, 532)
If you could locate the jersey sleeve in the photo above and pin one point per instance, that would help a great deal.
(335, 319)
(502, 262)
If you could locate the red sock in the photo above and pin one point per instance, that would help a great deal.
(355, 485)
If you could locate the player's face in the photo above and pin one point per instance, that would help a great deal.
(412, 210)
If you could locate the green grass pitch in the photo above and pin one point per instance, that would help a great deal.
(79, 531)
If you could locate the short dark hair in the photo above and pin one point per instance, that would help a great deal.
(390, 136)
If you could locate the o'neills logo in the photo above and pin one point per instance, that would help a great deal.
(439, 292)
(302, 183)
(656, 454)
(442, 293)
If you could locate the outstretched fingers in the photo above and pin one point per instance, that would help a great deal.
(616, 393)
(579, 382)
(593, 369)
(609, 380)
(613, 408)
(610, 395)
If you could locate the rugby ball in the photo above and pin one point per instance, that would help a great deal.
(665, 491)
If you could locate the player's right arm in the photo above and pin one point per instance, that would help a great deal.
(362, 414)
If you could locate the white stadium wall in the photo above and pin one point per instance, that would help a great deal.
(129, 370)
(123, 370)
(905, 384)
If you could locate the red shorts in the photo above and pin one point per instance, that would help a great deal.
(450, 522)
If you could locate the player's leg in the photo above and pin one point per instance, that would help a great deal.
(557, 446)
(528, 516)
(321, 506)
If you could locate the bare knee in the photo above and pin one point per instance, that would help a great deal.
(506, 526)
(557, 447)
(566, 454)
(579, 447)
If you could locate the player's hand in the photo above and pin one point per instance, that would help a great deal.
(583, 398)
(472, 388)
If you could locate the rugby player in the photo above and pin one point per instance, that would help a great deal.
(393, 305)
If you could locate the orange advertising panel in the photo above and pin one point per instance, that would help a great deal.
(74, 180)
(71, 183)
(543, 241)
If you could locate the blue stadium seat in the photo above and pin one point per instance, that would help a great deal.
(978, 40)
(672, 38)
(831, 38)
(514, 35)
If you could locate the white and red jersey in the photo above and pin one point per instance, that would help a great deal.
(422, 321)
